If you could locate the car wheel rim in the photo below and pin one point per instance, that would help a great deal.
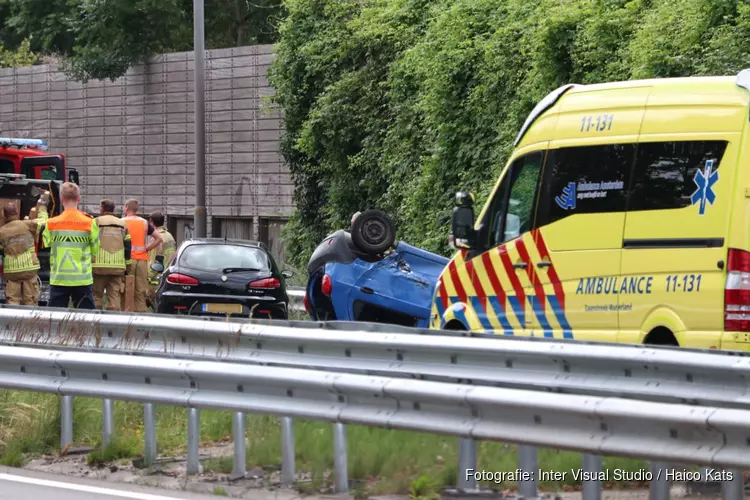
(373, 231)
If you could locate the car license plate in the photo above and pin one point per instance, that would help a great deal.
(223, 308)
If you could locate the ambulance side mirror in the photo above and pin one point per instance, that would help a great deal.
(463, 234)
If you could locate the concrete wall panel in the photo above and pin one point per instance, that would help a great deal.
(134, 137)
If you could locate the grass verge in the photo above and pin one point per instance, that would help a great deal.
(220, 464)
(299, 316)
(117, 449)
(380, 461)
(220, 491)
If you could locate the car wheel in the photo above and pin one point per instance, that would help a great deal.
(373, 232)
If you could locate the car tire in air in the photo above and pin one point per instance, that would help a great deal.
(373, 232)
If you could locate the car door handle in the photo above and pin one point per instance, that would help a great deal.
(367, 290)
(520, 265)
(544, 263)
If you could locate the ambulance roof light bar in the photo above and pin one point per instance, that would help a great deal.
(7, 142)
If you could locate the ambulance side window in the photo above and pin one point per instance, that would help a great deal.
(511, 212)
(585, 180)
(666, 173)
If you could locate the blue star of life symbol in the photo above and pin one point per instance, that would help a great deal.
(567, 200)
(705, 180)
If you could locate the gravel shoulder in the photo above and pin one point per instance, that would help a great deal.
(262, 484)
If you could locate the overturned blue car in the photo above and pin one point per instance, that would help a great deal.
(359, 274)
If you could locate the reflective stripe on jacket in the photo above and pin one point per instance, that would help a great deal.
(114, 240)
(138, 229)
(18, 243)
(73, 239)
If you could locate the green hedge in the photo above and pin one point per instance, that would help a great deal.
(396, 104)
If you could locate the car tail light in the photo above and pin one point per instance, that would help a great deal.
(265, 283)
(181, 279)
(326, 286)
(737, 292)
(306, 302)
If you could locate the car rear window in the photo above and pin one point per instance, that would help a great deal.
(218, 257)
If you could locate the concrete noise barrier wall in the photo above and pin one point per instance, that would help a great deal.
(133, 137)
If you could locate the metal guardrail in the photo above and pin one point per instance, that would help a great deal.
(714, 378)
(711, 379)
(596, 425)
(296, 295)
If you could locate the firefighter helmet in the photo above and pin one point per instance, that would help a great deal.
(464, 199)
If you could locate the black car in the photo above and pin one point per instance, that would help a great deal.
(212, 276)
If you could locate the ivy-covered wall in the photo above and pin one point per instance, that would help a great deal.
(396, 104)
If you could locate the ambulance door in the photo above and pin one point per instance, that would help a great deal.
(577, 244)
(674, 239)
(679, 215)
(500, 274)
(581, 214)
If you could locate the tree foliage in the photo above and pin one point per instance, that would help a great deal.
(100, 39)
(23, 56)
(46, 22)
(111, 35)
(397, 104)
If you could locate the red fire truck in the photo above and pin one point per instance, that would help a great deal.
(26, 171)
(29, 157)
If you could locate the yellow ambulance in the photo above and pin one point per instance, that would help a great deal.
(623, 215)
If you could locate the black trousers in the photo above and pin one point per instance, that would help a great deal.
(82, 296)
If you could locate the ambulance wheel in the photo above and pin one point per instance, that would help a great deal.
(455, 326)
(661, 336)
(373, 232)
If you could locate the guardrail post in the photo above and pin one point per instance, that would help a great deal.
(149, 434)
(467, 461)
(340, 465)
(734, 489)
(239, 467)
(194, 430)
(659, 489)
(527, 462)
(592, 489)
(705, 484)
(107, 421)
(288, 474)
(66, 431)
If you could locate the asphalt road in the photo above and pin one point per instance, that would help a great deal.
(18, 484)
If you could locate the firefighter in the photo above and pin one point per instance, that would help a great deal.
(20, 262)
(73, 239)
(140, 230)
(162, 253)
(114, 252)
